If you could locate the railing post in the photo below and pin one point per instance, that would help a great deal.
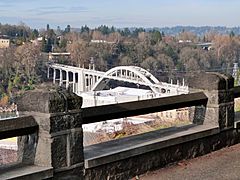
(60, 137)
(219, 110)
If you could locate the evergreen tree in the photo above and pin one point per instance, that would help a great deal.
(43, 46)
(232, 34)
(67, 29)
(155, 37)
(35, 33)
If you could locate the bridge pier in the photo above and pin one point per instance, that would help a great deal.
(74, 77)
(48, 72)
(67, 79)
(81, 81)
(54, 76)
(60, 78)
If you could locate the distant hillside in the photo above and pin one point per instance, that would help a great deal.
(200, 31)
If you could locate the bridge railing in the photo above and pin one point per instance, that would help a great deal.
(212, 96)
(115, 111)
(19, 126)
(49, 122)
(55, 119)
(25, 131)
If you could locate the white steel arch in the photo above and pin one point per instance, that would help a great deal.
(130, 74)
(146, 73)
(83, 80)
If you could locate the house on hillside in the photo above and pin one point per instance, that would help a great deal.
(4, 42)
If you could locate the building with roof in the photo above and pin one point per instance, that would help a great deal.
(4, 43)
(121, 95)
(113, 96)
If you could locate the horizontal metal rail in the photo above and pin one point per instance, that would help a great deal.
(115, 111)
(17, 127)
(236, 91)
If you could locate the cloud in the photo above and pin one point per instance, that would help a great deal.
(56, 10)
(120, 13)
(78, 8)
(6, 4)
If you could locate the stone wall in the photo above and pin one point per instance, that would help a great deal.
(219, 110)
(59, 141)
(140, 164)
(217, 113)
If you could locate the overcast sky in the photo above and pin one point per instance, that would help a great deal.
(120, 13)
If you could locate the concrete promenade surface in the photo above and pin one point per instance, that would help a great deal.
(219, 165)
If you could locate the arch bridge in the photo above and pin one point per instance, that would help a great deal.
(82, 79)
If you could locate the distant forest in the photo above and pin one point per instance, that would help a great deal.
(173, 31)
(200, 31)
(167, 52)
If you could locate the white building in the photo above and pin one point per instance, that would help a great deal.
(121, 95)
(113, 96)
(4, 43)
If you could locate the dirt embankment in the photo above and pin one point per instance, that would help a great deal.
(7, 156)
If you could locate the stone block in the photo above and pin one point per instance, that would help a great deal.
(222, 118)
(65, 122)
(230, 114)
(27, 148)
(219, 90)
(49, 101)
(43, 152)
(197, 114)
(211, 116)
(207, 81)
(226, 115)
(76, 147)
(59, 152)
(70, 174)
(229, 80)
(60, 138)
(218, 97)
(225, 96)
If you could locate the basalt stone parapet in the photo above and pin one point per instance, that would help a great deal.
(70, 174)
(211, 81)
(76, 147)
(226, 115)
(219, 90)
(49, 101)
(226, 96)
(228, 78)
(219, 97)
(64, 122)
(59, 142)
(59, 152)
(128, 168)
